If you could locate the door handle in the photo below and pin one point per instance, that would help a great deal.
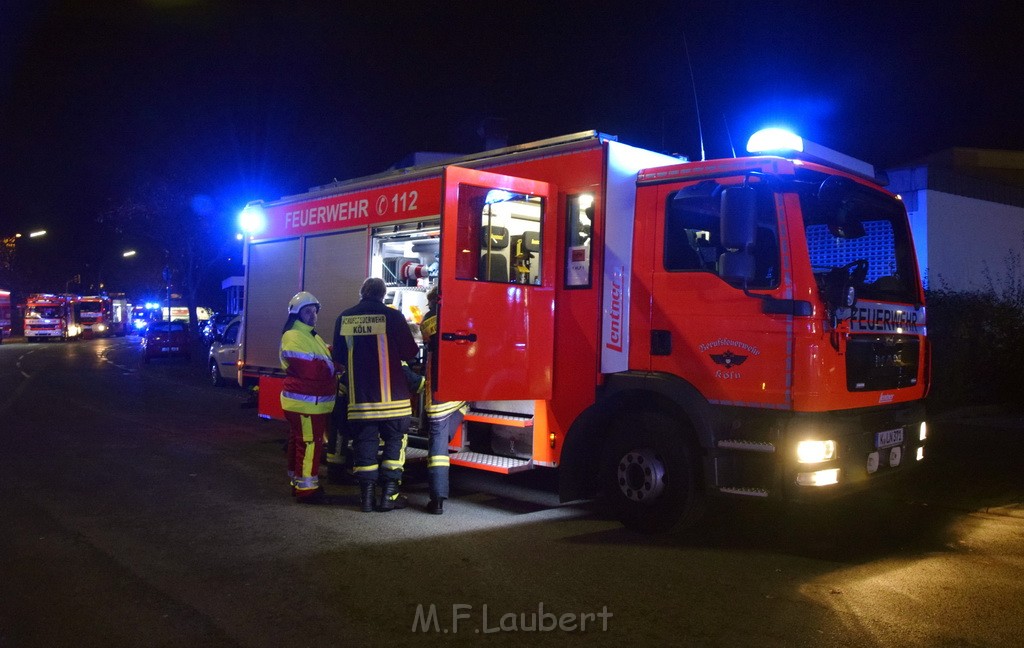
(458, 337)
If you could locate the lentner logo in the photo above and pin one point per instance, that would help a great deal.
(615, 313)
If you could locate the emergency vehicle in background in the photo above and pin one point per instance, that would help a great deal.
(94, 312)
(660, 330)
(5, 314)
(50, 316)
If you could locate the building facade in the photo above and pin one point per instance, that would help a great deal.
(966, 208)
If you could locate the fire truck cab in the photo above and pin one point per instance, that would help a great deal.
(659, 330)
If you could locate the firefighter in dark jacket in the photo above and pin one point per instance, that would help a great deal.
(307, 395)
(444, 418)
(373, 340)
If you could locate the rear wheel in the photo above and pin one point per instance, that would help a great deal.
(651, 475)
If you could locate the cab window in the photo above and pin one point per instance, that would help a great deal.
(231, 334)
(579, 218)
(499, 236)
(693, 233)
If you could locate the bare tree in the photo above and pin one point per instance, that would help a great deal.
(182, 225)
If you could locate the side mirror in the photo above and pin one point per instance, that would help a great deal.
(738, 233)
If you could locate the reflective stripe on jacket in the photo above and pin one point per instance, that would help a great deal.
(435, 410)
(310, 385)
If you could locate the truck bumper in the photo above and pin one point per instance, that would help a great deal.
(864, 448)
(870, 448)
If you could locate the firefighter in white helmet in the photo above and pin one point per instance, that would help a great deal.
(307, 396)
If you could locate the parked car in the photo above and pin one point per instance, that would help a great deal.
(224, 351)
(215, 326)
(165, 339)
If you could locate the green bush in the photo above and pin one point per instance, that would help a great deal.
(977, 342)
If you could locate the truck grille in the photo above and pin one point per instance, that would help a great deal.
(875, 362)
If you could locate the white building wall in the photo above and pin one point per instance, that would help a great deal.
(965, 243)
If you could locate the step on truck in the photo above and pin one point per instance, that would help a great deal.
(661, 331)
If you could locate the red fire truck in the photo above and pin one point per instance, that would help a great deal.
(104, 315)
(659, 330)
(5, 314)
(49, 317)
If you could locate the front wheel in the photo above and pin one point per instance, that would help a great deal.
(651, 475)
(215, 378)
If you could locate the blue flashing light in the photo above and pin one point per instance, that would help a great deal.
(252, 220)
(774, 139)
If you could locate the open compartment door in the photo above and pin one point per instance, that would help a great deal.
(497, 287)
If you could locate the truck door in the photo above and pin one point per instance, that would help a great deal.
(704, 326)
(497, 280)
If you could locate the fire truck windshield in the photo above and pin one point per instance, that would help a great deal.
(44, 312)
(852, 228)
(89, 311)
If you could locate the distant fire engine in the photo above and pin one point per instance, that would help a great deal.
(49, 316)
(104, 315)
(659, 330)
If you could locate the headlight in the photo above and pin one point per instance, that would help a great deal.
(100, 327)
(814, 451)
(818, 478)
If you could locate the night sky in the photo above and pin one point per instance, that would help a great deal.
(234, 101)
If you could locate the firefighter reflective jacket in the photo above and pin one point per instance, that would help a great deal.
(310, 385)
(435, 410)
(372, 340)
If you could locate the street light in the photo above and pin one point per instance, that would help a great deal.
(128, 253)
(167, 280)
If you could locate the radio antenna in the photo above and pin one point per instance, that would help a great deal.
(693, 84)
(729, 135)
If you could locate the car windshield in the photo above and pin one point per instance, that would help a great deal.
(847, 224)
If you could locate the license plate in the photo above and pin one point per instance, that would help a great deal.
(889, 438)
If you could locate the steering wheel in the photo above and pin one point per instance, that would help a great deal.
(838, 281)
(856, 271)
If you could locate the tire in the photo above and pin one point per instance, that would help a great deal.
(215, 378)
(651, 475)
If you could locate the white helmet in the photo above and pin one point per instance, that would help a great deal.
(302, 299)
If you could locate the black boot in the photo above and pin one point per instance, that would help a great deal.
(390, 498)
(367, 495)
(436, 505)
(317, 496)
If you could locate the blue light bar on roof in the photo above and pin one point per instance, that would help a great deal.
(770, 140)
(780, 141)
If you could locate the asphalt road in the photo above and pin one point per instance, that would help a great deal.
(141, 507)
